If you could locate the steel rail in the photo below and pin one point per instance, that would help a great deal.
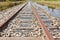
(41, 24)
(55, 20)
(1, 26)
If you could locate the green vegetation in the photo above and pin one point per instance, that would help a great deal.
(50, 3)
(12, 0)
(4, 4)
(46, 0)
(52, 0)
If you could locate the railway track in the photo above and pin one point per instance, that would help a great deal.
(29, 22)
(52, 23)
(9, 14)
(23, 25)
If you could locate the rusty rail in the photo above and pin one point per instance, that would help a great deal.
(41, 23)
(2, 24)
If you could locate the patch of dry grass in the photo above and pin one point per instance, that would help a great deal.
(5, 5)
(51, 4)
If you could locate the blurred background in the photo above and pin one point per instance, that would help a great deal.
(4, 4)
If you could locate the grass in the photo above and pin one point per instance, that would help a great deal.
(5, 5)
(50, 4)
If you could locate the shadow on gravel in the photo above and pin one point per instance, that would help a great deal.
(6, 24)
